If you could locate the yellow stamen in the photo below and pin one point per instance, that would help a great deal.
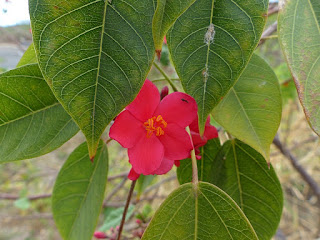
(155, 124)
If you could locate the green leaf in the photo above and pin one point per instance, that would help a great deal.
(251, 111)
(79, 191)
(208, 153)
(114, 216)
(288, 89)
(244, 174)
(32, 122)
(164, 17)
(211, 44)
(199, 212)
(299, 36)
(95, 55)
(142, 183)
(28, 57)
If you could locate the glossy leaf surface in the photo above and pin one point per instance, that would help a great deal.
(299, 36)
(204, 212)
(208, 153)
(243, 173)
(95, 56)
(211, 44)
(32, 122)
(79, 191)
(251, 111)
(165, 15)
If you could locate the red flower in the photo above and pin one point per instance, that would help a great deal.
(210, 132)
(153, 131)
(100, 235)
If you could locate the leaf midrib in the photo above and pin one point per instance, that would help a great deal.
(248, 119)
(237, 174)
(98, 72)
(87, 190)
(31, 113)
(207, 68)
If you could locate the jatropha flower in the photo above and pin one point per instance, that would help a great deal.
(153, 131)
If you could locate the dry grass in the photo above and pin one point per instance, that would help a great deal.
(301, 214)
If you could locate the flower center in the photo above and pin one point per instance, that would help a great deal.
(155, 124)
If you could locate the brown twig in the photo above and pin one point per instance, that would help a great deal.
(27, 217)
(120, 175)
(31, 198)
(122, 204)
(116, 189)
(6, 196)
(294, 161)
(158, 184)
(126, 208)
(268, 32)
(273, 10)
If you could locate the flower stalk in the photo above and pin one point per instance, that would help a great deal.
(195, 178)
(126, 209)
(174, 88)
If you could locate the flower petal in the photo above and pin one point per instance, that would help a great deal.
(176, 141)
(197, 140)
(133, 175)
(127, 130)
(144, 105)
(166, 166)
(179, 108)
(210, 132)
(146, 156)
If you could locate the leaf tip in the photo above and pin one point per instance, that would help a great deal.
(201, 127)
(158, 52)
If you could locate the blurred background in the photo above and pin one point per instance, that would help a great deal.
(25, 186)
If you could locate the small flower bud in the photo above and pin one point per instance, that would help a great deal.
(164, 92)
(100, 235)
(138, 221)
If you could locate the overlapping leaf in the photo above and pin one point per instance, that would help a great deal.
(95, 55)
(79, 191)
(28, 57)
(244, 174)
(251, 111)
(199, 212)
(299, 35)
(208, 154)
(210, 45)
(165, 15)
(32, 122)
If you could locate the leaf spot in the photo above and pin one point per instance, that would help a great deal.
(209, 36)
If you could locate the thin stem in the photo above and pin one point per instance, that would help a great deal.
(268, 32)
(166, 77)
(126, 208)
(194, 168)
(294, 162)
(195, 178)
